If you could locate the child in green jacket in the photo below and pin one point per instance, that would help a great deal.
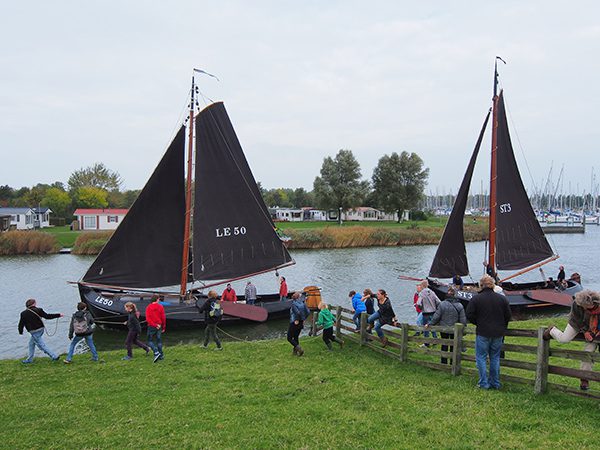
(326, 320)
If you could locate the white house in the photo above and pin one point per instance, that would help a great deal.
(41, 217)
(309, 213)
(20, 218)
(366, 213)
(99, 219)
(288, 214)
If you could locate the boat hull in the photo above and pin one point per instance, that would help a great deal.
(107, 306)
(520, 296)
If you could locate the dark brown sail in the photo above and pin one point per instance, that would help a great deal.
(233, 232)
(520, 239)
(451, 256)
(145, 250)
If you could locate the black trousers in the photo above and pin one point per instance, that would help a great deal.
(294, 332)
(211, 332)
(328, 336)
(447, 348)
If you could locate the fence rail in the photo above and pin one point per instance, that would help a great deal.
(531, 364)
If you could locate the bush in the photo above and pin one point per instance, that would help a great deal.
(90, 243)
(27, 242)
(416, 214)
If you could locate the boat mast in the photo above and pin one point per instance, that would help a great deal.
(188, 198)
(493, 172)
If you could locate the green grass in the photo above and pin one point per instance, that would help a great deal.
(64, 236)
(432, 222)
(257, 395)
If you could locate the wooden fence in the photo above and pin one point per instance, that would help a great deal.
(532, 361)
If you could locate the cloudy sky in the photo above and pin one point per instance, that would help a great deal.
(86, 82)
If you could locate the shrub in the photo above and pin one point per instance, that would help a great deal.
(27, 242)
(90, 243)
(416, 214)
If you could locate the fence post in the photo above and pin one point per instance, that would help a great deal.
(457, 348)
(404, 344)
(363, 328)
(338, 321)
(541, 366)
(313, 324)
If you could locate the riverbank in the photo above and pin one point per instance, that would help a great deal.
(257, 395)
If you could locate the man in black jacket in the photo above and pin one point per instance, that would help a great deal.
(212, 315)
(490, 312)
(31, 320)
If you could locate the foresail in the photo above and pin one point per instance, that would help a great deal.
(520, 239)
(451, 256)
(146, 248)
(233, 232)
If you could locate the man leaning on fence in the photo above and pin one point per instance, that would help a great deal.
(490, 312)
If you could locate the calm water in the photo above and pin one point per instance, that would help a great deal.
(336, 271)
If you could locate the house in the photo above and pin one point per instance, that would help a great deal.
(366, 213)
(20, 218)
(312, 214)
(4, 222)
(41, 217)
(287, 214)
(99, 219)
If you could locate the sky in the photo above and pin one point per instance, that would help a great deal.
(86, 82)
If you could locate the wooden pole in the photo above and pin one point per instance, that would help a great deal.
(457, 350)
(313, 324)
(541, 366)
(530, 268)
(338, 322)
(404, 343)
(363, 328)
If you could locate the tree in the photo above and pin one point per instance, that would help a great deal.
(98, 176)
(34, 197)
(6, 194)
(91, 197)
(277, 197)
(398, 182)
(302, 198)
(58, 201)
(339, 186)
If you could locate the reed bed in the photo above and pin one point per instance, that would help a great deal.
(27, 243)
(91, 242)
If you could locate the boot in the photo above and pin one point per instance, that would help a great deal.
(384, 341)
(585, 385)
(547, 335)
(329, 346)
(299, 350)
(295, 351)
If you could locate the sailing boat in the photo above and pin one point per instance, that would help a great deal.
(164, 246)
(516, 240)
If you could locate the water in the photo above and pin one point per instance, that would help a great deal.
(45, 278)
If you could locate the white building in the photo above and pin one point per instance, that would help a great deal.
(20, 218)
(41, 217)
(366, 213)
(99, 219)
(288, 214)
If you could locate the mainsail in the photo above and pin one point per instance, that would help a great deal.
(146, 248)
(233, 235)
(520, 239)
(451, 256)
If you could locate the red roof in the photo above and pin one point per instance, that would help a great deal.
(100, 212)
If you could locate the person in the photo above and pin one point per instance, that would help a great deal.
(489, 270)
(31, 320)
(134, 330)
(157, 325)
(429, 303)
(229, 294)
(451, 311)
(298, 314)
(81, 327)
(490, 312)
(584, 314)
(326, 320)
(358, 306)
(368, 299)
(458, 281)
(419, 312)
(550, 283)
(561, 275)
(212, 316)
(283, 288)
(250, 293)
(384, 315)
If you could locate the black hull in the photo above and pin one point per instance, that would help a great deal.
(107, 306)
(519, 295)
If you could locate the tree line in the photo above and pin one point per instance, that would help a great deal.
(397, 184)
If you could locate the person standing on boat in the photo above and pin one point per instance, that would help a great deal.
(385, 315)
(358, 306)
(31, 320)
(212, 316)
(451, 311)
(490, 312)
(583, 317)
(560, 278)
(250, 293)
(229, 294)
(133, 331)
(81, 327)
(299, 312)
(157, 325)
(429, 303)
(283, 288)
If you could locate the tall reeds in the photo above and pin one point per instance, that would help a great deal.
(91, 242)
(27, 243)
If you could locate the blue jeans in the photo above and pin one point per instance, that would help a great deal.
(37, 339)
(356, 319)
(374, 319)
(88, 340)
(426, 319)
(485, 347)
(155, 334)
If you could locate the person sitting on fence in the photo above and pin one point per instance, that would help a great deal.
(451, 311)
(429, 303)
(358, 306)
(369, 301)
(419, 312)
(583, 318)
(326, 320)
(490, 312)
(385, 315)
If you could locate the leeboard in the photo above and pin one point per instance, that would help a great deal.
(244, 311)
(549, 296)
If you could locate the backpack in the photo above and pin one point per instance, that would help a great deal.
(80, 325)
(215, 310)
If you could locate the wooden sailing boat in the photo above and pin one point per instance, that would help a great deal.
(516, 240)
(179, 240)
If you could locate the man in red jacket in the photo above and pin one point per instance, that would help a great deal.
(229, 294)
(157, 325)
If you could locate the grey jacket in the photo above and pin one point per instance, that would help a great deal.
(451, 311)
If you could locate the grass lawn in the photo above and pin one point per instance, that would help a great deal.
(64, 236)
(432, 222)
(257, 395)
